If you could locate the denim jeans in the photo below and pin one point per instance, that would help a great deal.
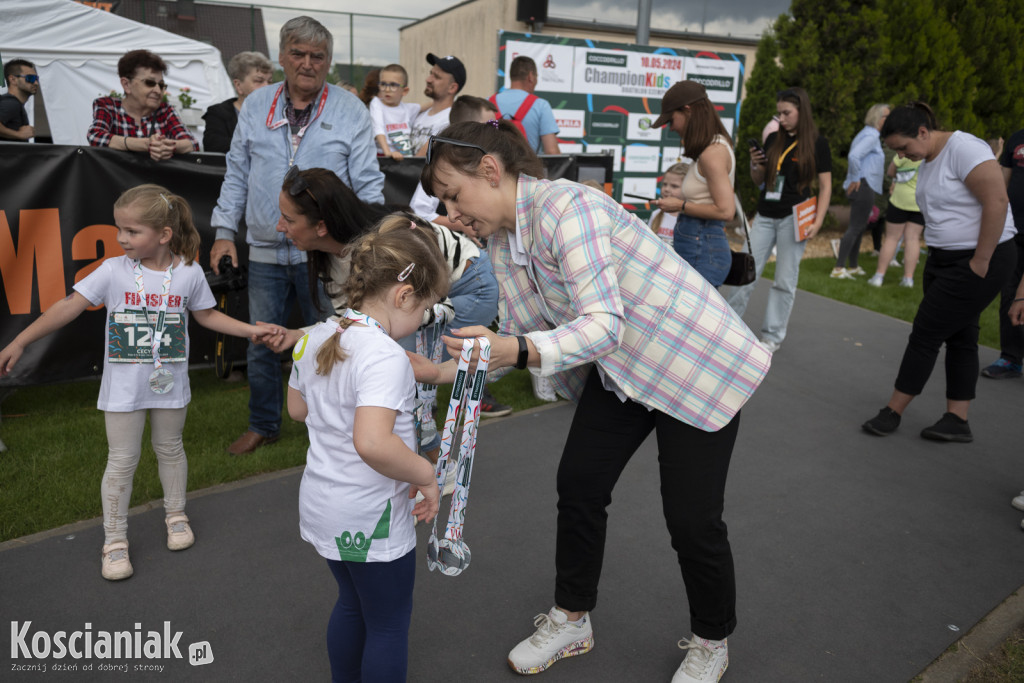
(766, 233)
(273, 289)
(702, 243)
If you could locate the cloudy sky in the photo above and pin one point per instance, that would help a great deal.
(376, 39)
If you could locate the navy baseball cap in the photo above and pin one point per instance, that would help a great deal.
(450, 65)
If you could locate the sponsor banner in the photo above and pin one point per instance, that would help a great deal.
(730, 125)
(641, 186)
(624, 73)
(571, 122)
(607, 125)
(614, 151)
(570, 148)
(720, 77)
(641, 159)
(638, 127)
(554, 64)
(673, 155)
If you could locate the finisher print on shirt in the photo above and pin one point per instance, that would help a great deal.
(355, 548)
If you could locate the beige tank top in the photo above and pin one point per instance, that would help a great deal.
(695, 185)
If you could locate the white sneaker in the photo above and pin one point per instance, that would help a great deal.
(706, 660)
(856, 271)
(907, 282)
(876, 280)
(1018, 502)
(894, 263)
(772, 346)
(556, 638)
(116, 565)
(543, 388)
(179, 533)
(840, 274)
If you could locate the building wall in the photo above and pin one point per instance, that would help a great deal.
(470, 32)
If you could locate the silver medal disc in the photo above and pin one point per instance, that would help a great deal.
(161, 381)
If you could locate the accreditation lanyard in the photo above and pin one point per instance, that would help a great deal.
(161, 317)
(451, 555)
(357, 317)
(160, 381)
(428, 344)
(782, 157)
(296, 138)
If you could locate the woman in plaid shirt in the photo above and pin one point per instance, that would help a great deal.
(141, 121)
(591, 298)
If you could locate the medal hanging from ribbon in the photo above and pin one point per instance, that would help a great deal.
(160, 380)
(428, 344)
(451, 555)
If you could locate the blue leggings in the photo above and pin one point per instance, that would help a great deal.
(368, 634)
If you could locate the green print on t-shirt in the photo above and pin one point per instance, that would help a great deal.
(355, 548)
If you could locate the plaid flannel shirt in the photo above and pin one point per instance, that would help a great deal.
(109, 119)
(617, 296)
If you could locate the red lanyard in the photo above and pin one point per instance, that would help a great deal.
(273, 125)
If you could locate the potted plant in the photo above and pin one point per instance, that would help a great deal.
(190, 117)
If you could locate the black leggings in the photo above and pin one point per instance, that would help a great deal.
(954, 297)
(694, 464)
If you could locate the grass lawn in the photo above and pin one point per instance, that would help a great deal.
(889, 299)
(57, 447)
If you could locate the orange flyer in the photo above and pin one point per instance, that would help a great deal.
(803, 217)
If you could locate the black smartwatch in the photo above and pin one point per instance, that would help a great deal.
(524, 353)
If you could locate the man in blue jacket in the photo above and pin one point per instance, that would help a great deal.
(302, 122)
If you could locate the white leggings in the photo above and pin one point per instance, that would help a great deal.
(124, 440)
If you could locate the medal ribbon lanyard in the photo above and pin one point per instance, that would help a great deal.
(428, 343)
(160, 324)
(451, 555)
(283, 121)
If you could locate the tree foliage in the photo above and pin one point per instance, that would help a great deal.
(964, 57)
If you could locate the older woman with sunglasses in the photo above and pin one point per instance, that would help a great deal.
(591, 298)
(140, 121)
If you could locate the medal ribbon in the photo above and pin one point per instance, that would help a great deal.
(451, 554)
(161, 318)
(426, 394)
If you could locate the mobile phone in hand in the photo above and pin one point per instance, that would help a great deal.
(753, 144)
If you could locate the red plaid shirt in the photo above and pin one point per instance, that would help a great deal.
(109, 118)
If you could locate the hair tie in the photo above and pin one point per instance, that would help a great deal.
(494, 122)
(412, 225)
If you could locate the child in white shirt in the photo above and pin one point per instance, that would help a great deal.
(391, 119)
(353, 386)
(148, 293)
(663, 224)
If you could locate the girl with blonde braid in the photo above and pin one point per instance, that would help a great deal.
(353, 386)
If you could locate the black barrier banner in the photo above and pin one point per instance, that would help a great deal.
(57, 226)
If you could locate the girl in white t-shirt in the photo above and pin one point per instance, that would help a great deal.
(156, 282)
(664, 223)
(353, 386)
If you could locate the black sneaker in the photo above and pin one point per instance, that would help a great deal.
(883, 424)
(949, 428)
(489, 406)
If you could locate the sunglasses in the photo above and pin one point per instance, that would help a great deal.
(299, 185)
(434, 139)
(29, 78)
(150, 83)
(390, 86)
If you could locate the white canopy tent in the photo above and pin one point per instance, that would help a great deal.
(76, 48)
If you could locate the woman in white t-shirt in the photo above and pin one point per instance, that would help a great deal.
(353, 386)
(146, 368)
(961, 192)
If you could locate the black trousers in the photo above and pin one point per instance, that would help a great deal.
(954, 298)
(605, 433)
(1011, 337)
